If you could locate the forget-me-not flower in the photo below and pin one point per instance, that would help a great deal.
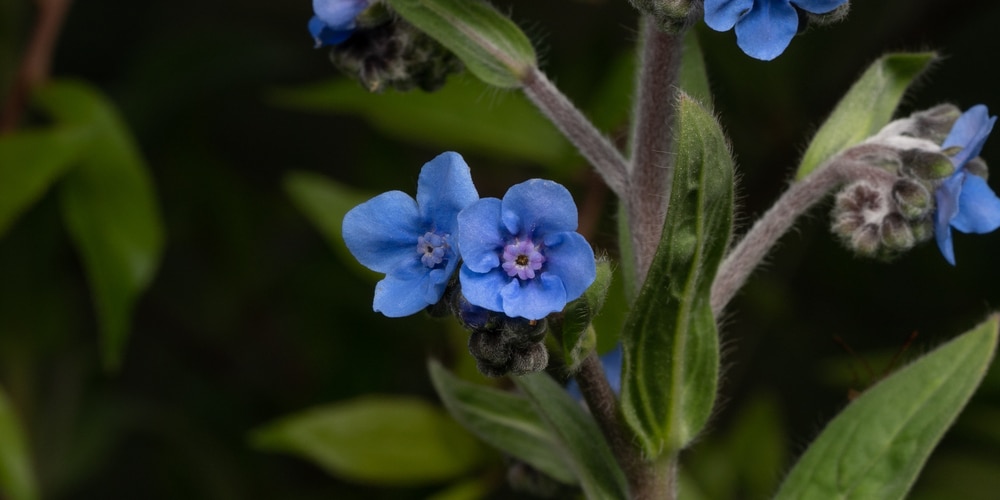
(412, 241)
(764, 28)
(522, 255)
(333, 21)
(964, 200)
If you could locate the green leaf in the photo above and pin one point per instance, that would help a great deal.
(462, 116)
(578, 336)
(491, 46)
(325, 202)
(17, 481)
(671, 355)
(32, 161)
(693, 77)
(588, 452)
(382, 440)
(876, 447)
(110, 209)
(504, 420)
(867, 107)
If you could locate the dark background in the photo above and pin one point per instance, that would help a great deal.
(252, 316)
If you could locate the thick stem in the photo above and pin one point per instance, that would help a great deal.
(34, 69)
(800, 197)
(652, 154)
(591, 143)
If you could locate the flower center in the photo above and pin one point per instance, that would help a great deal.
(522, 259)
(432, 248)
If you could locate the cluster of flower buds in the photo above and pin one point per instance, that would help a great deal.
(501, 345)
(673, 16)
(885, 215)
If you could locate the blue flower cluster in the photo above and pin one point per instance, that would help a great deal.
(334, 20)
(521, 255)
(764, 28)
(964, 201)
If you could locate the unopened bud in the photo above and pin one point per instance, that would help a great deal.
(935, 123)
(926, 165)
(923, 229)
(913, 200)
(834, 16)
(977, 167)
(866, 240)
(896, 234)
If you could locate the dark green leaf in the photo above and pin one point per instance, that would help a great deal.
(382, 440)
(867, 107)
(17, 481)
(588, 452)
(110, 208)
(491, 46)
(30, 162)
(464, 115)
(671, 356)
(876, 447)
(504, 420)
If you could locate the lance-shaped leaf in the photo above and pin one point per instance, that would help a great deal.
(110, 209)
(377, 439)
(491, 46)
(30, 162)
(588, 452)
(17, 480)
(867, 107)
(671, 346)
(876, 447)
(504, 420)
(578, 336)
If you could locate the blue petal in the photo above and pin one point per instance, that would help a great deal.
(538, 207)
(818, 6)
(721, 15)
(382, 232)
(969, 132)
(533, 299)
(569, 256)
(978, 207)
(324, 35)
(480, 236)
(946, 197)
(765, 32)
(396, 297)
(339, 14)
(444, 189)
(483, 289)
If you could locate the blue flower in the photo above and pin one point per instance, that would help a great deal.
(334, 20)
(522, 255)
(412, 241)
(612, 363)
(964, 200)
(764, 28)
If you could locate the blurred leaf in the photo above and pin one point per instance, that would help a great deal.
(30, 162)
(491, 45)
(463, 116)
(876, 447)
(609, 322)
(578, 336)
(503, 420)
(472, 489)
(671, 356)
(693, 78)
(382, 440)
(110, 209)
(867, 107)
(325, 202)
(17, 481)
(588, 453)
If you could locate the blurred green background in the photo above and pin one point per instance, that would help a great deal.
(254, 315)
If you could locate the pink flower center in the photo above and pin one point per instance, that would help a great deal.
(522, 259)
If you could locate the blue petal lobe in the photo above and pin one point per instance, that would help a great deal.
(444, 189)
(483, 289)
(721, 15)
(969, 132)
(946, 196)
(569, 256)
(324, 35)
(339, 14)
(818, 6)
(480, 236)
(539, 207)
(535, 298)
(396, 297)
(765, 32)
(382, 232)
(978, 207)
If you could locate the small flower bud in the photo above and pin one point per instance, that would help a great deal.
(913, 200)
(934, 124)
(977, 167)
(865, 241)
(834, 16)
(896, 233)
(923, 229)
(926, 165)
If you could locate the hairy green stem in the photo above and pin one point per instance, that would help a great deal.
(741, 261)
(591, 143)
